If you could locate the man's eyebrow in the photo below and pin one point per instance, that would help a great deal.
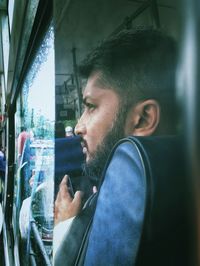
(88, 97)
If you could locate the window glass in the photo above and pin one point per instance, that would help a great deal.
(5, 44)
(34, 156)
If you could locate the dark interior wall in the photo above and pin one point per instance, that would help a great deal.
(81, 24)
(85, 23)
(169, 13)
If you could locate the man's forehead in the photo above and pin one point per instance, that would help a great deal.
(98, 95)
(95, 85)
(93, 92)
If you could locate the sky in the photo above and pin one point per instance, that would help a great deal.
(42, 92)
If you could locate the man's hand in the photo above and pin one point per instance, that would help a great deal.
(66, 206)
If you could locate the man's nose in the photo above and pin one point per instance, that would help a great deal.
(80, 128)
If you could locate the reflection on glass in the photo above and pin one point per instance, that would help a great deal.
(10, 12)
(34, 178)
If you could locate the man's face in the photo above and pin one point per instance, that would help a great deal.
(100, 125)
(101, 106)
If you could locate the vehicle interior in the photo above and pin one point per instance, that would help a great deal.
(42, 43)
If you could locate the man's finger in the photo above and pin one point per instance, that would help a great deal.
(63, 193)
(94, 189)
(77, 201)
(62, 184)
(64, 180)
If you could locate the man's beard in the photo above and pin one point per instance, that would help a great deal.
(94, 168)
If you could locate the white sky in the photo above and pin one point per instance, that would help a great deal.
(42, 92)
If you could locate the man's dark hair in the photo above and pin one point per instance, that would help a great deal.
(138, 65)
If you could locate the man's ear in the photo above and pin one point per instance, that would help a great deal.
(144, 118)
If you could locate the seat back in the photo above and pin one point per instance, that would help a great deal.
(68, 160)
(68, 156)
(167, 228)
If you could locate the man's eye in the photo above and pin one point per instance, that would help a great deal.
(90, 106)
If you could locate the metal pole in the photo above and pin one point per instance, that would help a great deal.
(155, 13)
(129, 19)
(39, 243)
(188, 80)
(77, 80)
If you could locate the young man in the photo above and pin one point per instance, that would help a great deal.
(130, 90)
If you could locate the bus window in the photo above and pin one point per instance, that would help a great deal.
(34, 158)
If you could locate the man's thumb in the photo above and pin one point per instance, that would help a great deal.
(78, 196)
